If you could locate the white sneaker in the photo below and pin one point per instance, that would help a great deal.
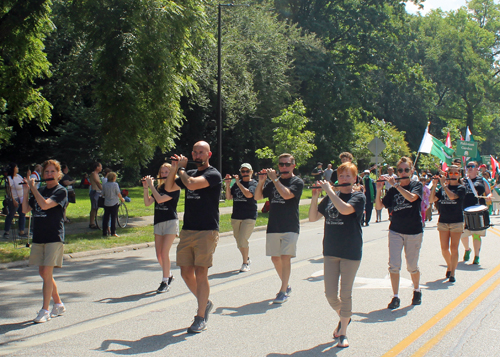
(245, 267)
(57, 310)
(43, 316)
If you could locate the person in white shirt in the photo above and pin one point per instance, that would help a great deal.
(14, 195)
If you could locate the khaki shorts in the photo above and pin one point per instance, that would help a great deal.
(47, 254)
(242, 230)
(451, 227)
(411, 244)
(167, 227)
(196, 248)
(281, 244)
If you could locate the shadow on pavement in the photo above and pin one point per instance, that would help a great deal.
(329, 348)
(469, 267)
(226, 274)
(128, 298)
(146, 344)
(384, 315)
(15, 326)
(316, 261)
(253, 308)
(439, 284)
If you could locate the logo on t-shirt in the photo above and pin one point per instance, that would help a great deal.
(401, 202)
(276, 198)
(238, 195)
(332, 215)
(192, 195)
(446, 200)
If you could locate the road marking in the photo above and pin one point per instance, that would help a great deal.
(440, 315)
(462, 315)
(84, 326)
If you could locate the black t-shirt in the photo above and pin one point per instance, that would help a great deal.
(244, 208)
(451, 211)
(201, 212)
(166, 211)
(66, 177)
(406, 218)
(470, 199)
(320, 175)
(284, 214)
(48, 225)
(343, 235)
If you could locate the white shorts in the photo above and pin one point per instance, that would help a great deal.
(167, 227)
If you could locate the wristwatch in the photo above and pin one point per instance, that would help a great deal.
(181, 168)
(397, 184)
(276, 179)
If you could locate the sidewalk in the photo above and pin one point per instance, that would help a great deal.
(78, 227)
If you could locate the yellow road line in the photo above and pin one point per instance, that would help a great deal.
(440, 315)
(494, 230)
(462, 315)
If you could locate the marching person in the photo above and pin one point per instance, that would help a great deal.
(166, 222)
(474, 186)
(283, 226)
(451, 217)
(405, 230)
(342, 242)
(244, 210)
(200, 231)
(48, 233)
(95, 193)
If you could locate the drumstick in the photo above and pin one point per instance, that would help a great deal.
(41, 180)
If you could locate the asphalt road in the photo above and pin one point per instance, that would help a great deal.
(112, 307)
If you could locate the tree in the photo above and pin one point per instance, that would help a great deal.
(23, 27)
(290, 136)
(396, 145)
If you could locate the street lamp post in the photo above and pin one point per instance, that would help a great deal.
(219, 84)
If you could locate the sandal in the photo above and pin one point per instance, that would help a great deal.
(343, 342)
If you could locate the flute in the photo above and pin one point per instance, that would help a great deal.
(265, 173)
(397, 179)
(155, 178)
(41, 180)
(336, 185)
(190, 162)
(232, 177)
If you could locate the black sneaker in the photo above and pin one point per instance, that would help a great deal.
(452, 279)
(163, 288)
(417, 298)
(199, 324)
(209, 308)
(394, 304)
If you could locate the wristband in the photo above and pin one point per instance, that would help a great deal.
(181, 169)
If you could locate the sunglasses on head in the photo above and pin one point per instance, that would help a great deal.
(245, 171)
(287, 164)
(401, 170)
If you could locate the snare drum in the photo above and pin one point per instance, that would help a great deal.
(476, 218)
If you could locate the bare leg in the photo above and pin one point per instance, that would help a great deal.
(49, 287)
(395, 283)
(187, 273)
(162, 247)
(465, 243)
(455, 241)
(203, 289)
(444, 237)
(476, 241)
(244, 254)
(286, 268)
(415, 278)
(277, 265)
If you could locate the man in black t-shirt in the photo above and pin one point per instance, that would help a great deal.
(317, 172)
(200, 231)
(283, 226)
(405, 230)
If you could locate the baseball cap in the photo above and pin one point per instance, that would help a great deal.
(246, 166)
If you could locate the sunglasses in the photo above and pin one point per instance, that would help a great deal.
(404, 170)
(453, 173)
(471, 166)
(245, 171)
(287, 164)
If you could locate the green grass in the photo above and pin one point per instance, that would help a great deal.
(93, 240)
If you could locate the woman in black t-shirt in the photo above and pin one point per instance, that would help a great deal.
(166, 223)
(451, 218)
(48, 233)
(342, 242)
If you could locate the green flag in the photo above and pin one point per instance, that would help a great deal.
(431, 145)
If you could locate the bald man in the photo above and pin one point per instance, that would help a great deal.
(200, 231)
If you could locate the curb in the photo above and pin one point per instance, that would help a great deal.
(90, 253)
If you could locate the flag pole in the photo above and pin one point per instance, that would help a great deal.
(418, 153)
